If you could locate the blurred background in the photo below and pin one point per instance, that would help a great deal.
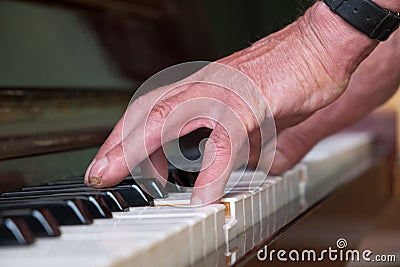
(121, 43)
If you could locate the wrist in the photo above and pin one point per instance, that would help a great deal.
(347, 47)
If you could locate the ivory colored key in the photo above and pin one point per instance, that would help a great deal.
(345, 150)
(255, 206)
(263, 207)
(280, 194)
(219, 218)
(230, 229)
(234, 204)
(176, 235)
(272, 195)
(246, 178)
(254, 211)
(113, 239)
(174, 199)
(197, 249)
(95, 252)
(210, 218)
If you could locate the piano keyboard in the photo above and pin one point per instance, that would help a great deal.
(65, 223)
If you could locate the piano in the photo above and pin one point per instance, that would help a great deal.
(50, 132)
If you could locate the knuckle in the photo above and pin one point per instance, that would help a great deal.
(160, 112)
(222, 141)
(218, 149)
(140, 103)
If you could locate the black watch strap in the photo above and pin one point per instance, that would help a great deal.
(367, 16)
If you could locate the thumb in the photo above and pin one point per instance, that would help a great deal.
(292, 144)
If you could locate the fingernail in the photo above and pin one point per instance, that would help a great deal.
(97, 171)
(88, 171)
(196, 201)
(93, 180)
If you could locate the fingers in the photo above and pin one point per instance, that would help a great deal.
(108, 170)
(140, 109)
(112, 140)
(259, 139)
(160, 125)
(292, 144)
(156, 166)
(142, 132)
(220, 154)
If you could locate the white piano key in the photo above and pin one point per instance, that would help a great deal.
(165, 235)
(263, 205)
(219, 221)
(174, 199)
(235, 205)
(206, 214)
(254, 203)
(246, 178)
(77, 252)
(292, 178)
(246, 209)
(285, 189)
(344, 150)
(197, 248)
(230, 229)
(280, 194)
(272, 194)
(255, 206)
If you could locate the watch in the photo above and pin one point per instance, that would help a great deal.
(367, 16)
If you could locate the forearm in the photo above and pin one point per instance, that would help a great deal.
(308, 62)
(375, 81)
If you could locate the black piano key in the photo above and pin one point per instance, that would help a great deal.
(174, 188)
(95, 205)
(65, 182)
(14, 231)
(70, 180)
(66, 212)
(134, 196)
(40, 221)
(112, 197)
(54, 187)
(151, 185)
(182, 178)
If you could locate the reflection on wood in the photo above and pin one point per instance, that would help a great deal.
(38, 121)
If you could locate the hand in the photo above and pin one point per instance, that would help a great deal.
(298, 70)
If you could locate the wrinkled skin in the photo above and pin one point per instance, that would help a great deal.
(300, 71)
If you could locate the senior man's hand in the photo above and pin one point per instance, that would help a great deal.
(298, 70)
